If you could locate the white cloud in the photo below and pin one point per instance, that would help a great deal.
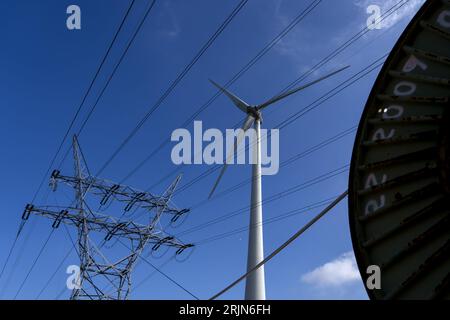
(336, 273)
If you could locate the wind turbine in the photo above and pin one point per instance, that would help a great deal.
(255, 282)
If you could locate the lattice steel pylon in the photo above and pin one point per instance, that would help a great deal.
(93, 263)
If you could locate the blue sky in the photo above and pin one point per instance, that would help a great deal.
(46, 69)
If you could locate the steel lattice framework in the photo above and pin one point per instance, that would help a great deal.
(93, 263)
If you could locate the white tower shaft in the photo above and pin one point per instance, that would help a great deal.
(255, 288)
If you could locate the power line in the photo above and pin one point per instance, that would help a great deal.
(277, 218)
(34, 263)
(20, 252)
(272, 198)
(284, 245)
(153, 273)
(347, 44)
(300, 17)
(133, 289)
(11, 249)
(65, 257)
(83, 100)
(60, 293)
(72, 248)
(54, 273)
(341, 87)
(163, 274)
(162, 265)
(149, 9)
(174, 84)
(111, 76)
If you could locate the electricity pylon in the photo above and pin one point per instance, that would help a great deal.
(95, 267)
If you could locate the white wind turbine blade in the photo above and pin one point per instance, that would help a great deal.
(247, 124)
(286, 94)
(242, 105)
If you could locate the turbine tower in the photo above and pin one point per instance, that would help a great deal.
(255, 282)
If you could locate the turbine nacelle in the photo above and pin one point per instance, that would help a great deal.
(253, 112)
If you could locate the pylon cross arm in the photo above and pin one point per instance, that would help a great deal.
(107, 190)
(108, 225)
